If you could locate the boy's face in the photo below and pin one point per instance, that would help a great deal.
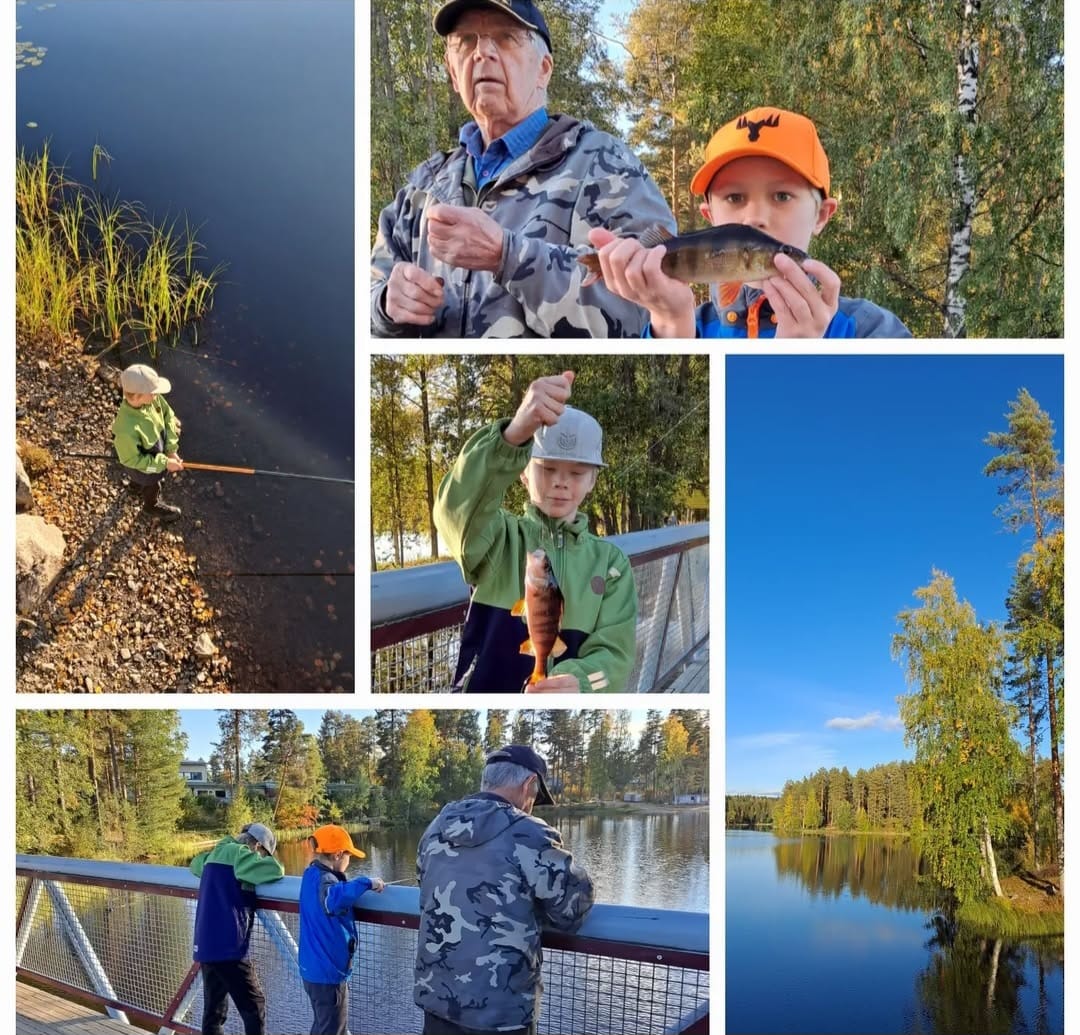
(139, 399)
(557, 487)
(769, 195)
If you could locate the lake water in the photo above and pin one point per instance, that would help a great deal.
(239, 115)
(640, 860)
(834, 935)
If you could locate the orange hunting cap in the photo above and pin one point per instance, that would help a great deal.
(774, 133)
(331, 840)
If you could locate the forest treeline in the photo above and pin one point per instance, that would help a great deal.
(107, 784)
(943, 122)
(982, 698)
(654, 412)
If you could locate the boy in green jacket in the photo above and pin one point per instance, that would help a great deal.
(554, 450)
(146, 435)
(224, 916)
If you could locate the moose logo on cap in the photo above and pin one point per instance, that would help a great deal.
(755, 128)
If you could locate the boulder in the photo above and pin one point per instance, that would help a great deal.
(39, 559)
(24, 498)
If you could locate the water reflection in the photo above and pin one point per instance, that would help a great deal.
(844, 934)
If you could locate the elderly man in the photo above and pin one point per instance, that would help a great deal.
(491, 874)
(483, 240)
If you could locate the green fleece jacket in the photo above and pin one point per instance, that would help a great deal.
(136, 431)
(490, 545)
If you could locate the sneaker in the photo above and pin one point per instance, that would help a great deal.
(165, 512)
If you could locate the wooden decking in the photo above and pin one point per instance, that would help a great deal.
(694, 678)
(38, 1012)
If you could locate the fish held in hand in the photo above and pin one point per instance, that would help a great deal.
(542, 609)
(729, 255)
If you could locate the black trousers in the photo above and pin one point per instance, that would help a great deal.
(235, 979)
(330, 1007)
(441, 1026)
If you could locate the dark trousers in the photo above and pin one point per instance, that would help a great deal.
(441, 1026)
(330, 1008)
(235, 979)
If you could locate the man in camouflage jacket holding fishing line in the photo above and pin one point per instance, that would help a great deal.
(483, 240)
(491, 876)
(555, 451)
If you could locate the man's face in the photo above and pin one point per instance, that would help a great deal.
(501, 76)
(557, 487)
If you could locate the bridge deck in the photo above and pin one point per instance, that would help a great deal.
(38, 1012)
(694, 677)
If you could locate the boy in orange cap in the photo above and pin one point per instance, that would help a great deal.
(765, 169)
(327, 927)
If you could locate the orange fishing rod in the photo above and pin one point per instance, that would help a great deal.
(225, 469)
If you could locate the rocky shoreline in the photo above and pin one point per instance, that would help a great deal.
(127, 612)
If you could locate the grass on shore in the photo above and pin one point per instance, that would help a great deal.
(86, 262)
(997, 918)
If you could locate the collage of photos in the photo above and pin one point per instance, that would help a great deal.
(238, 225)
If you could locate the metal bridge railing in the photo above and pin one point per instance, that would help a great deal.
(416, 613)
(119, 934)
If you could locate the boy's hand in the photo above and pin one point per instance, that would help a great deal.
(377, 884)
(802, 311)
(412, 295)
(542, 406)
(177, 424)
(173, 463)
(633, 272)
(464, 237)
(564, 684)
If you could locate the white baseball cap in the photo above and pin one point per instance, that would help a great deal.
(575, 437)
(143, 380)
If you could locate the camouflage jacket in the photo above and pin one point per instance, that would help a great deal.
(490, 877)
(573, 179)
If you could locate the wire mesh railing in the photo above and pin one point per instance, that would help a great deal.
(119, 934)
(417, 614)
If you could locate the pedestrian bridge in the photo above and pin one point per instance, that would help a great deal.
(119, 935)
(416, 615)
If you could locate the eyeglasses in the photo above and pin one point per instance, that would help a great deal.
(503, 39)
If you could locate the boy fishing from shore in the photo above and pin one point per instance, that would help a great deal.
(146, 436)
(765, 182)
(574, 589)
(327, 929)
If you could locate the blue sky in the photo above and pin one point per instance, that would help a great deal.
(848, 480)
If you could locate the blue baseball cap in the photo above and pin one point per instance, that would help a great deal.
(524, 756)
(524, 11)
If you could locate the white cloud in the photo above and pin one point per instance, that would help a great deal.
(869, 721)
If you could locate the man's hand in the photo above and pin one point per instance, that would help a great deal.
(464, 237)
(633, 272)
(802, 311)
(412, 295)
(542, 406)
(565, 684)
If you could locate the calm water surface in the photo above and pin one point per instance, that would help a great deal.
(239, 114)
(623, 854)
(834, 935)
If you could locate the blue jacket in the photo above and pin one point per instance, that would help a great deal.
(327, 927)
(854, 318)
(226, 910)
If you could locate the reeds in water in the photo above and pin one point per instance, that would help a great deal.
(84, 262)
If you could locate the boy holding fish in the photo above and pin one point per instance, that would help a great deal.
(574, 590)
(765, 184)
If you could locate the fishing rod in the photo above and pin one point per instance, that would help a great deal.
(223, 469)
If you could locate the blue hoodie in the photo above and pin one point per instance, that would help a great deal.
(327, 927)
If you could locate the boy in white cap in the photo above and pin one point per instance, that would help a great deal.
(765, 169)
(146, 436)
(555, 451)
(224, 916)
